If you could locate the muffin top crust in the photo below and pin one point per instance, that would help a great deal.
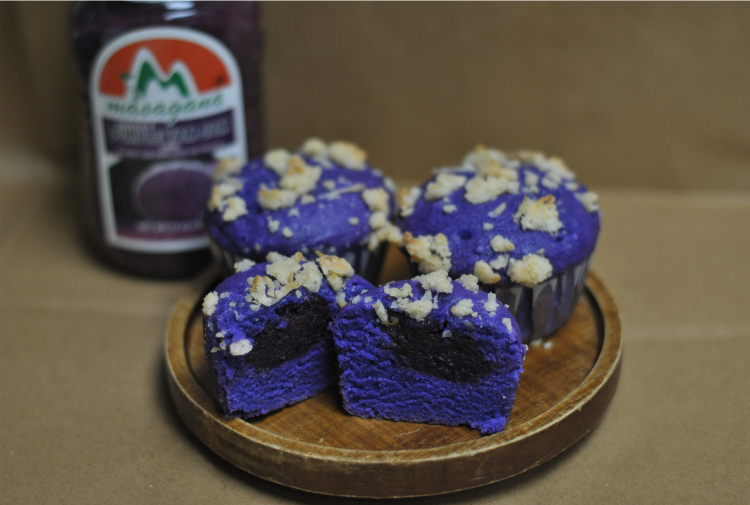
(322, 197)
(504, 218)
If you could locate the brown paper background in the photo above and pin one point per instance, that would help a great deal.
(630, 94)
(648, 102)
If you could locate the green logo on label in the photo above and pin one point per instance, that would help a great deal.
(147, 74)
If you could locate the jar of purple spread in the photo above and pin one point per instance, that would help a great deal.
(170, 88)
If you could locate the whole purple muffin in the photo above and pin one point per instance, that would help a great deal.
(323, 197)
(429, 350)
(520, 223)
(266, 331)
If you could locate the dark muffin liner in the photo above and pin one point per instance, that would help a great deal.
(365, 262)
(543, 309)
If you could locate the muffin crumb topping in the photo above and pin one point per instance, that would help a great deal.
(444, 185)
(403, 292)
(209, 303)
(277, 160)
(437, 281)
(430, 252)
(491, 304)
(407, 199)
(470, 282)
(347, 154)
(335, 269)
(589, 200)
(501, 244)
(530, 270)
(243, 265)
(539, 215)
(464, 308)
(484, 273)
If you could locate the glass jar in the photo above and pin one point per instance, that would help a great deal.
(170, 88)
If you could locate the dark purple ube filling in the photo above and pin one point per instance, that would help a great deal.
(421, 346)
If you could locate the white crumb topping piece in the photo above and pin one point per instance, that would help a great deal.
(487, 226)
(551, 180)
(450, 208)
(336, 193)
(377, 220)
(274, 256)
(403, 292)
(430, 252)
(446, 334)
(419, 309)
(444, 185)
(285, 274)
(341, 298)
(235, 207)
(491, 304)
(225, 188)
(335, 269)
(225, 294)
(407, 199)
(498, 210)
(481, 189)
(329, 184)
(500, 262)
(464, 308)
(243, 265)
(347, 154)
(530, 181)
(508, 324)
(484, 273)
(277, 160)
(310, 277)
(315, 148)
(501, 244)
(376, 199)
(547, 345)
(589, 200)
(354, 221)
(380, 311)
(307, 199)
(293, 213)
(571, 186)
(437, 281)
(470, 282)
(226, 167)
(356, 299)
(552, 164)
(300, 177)
(368, 299)
(275, 199)
(494, 175)
(215, 349)
(240, 347)
(209, 303)
(298, 293)
(286, 232)
(530, 270)
(273, 225)
(539, 215)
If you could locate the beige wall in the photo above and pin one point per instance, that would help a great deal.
(646, 94)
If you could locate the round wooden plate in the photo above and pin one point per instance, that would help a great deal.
(568, 382)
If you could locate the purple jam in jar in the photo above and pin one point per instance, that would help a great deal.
(170, 89)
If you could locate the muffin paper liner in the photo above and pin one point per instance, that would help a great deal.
(365, 262)
(543, 309)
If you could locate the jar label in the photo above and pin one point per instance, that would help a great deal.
(166, 104)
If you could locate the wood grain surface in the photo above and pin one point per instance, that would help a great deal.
(568, 382)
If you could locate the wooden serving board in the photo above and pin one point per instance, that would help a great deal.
(316, 446)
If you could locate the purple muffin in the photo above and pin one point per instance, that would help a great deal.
(520, 223)
(429, 350)
(323, 197)
(266, 331)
